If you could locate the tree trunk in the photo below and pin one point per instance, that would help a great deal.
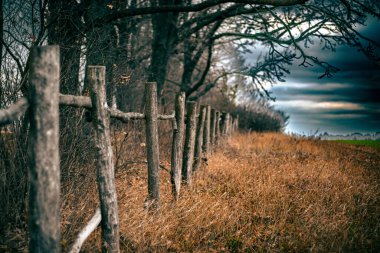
(165, 39)
(102, 44)
(1, 53)
(65, 20)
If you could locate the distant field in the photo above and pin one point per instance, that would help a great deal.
(368, 143)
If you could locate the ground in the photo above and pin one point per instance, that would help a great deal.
(259, 193)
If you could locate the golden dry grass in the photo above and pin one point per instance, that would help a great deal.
(260, 193)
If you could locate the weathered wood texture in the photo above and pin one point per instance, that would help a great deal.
(230, 124)
(199, 138)
(85, 102)
(227, 124)
(223, 123)
(104, 165)
(152, 146)
(13, 112)
(177, 146)
(75, 101)
(217, 128)
(44, 193)
(206, 133)
(188, 152)
(86, 232)
(212, 127)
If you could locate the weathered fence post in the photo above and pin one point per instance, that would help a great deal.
(237, 122)
(223, 125)
(199, 138)
(177, 146)
(227, 124)
(104, 166)
(206, 133)
(44, 192)
(152, 147)
(188, 150)
(217, 128)
(213, 127)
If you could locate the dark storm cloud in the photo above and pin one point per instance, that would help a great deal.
(349, 93)
(347, 102)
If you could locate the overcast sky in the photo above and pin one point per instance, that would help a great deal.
(348, 102)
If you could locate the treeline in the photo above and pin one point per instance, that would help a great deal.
(186, 46)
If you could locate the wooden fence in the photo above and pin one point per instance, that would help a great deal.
(193, 140)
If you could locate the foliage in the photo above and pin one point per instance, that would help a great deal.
(255, 113)
(261, 117)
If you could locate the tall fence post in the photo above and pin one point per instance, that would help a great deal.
(104, 166)
(199, 138)
(223, 124)
(188, 151)
(177, 146)
(227, 124)
(217, 128)
(152, 146)
(206, 133)
(44, 192)
(213, 127)
(237, 122)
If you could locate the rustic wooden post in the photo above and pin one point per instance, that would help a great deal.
(44, 192)
(217, 128)
(199, 138)
(152, 147)
(227, 124)
(206, 133)
(223, 124)
(104, 165)
(213, 127)
(188, 152)
(177, 146)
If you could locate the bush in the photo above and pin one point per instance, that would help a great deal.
(255, 115)
(261, 119)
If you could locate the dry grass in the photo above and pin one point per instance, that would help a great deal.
(260, 193)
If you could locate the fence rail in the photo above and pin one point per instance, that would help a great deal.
(193, 140)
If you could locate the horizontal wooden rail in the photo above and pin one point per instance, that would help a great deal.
(86, 232)
(85, 102)
(16, 110)
(202, 132)
(13, 112)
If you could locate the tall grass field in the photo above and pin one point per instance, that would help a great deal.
(258, 193)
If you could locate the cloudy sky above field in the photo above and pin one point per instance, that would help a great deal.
(348, 102)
